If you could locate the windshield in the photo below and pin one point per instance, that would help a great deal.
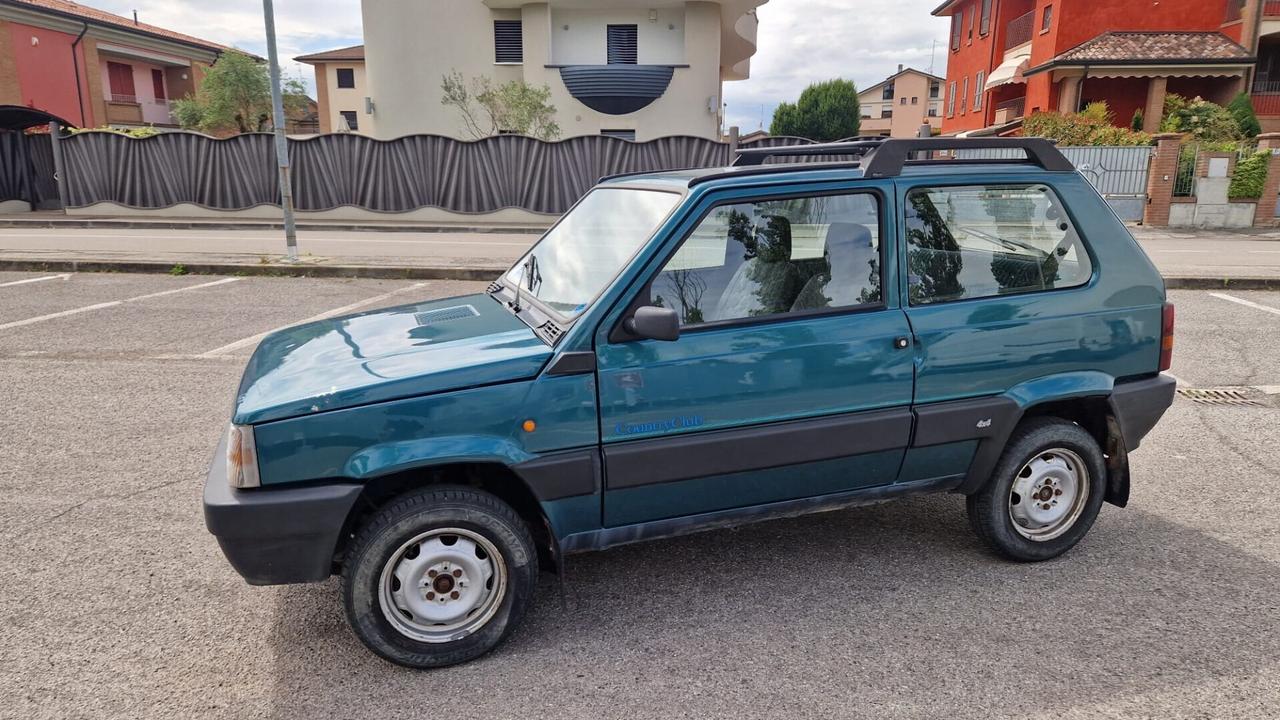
(574, 262)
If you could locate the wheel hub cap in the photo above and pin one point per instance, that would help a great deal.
(442, 585)
(1049, 495)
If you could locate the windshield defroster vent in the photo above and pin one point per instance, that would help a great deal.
(443, 315)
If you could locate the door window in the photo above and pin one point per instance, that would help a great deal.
(775, 257)
(987, 241)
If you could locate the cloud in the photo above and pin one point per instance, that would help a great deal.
(800, 42)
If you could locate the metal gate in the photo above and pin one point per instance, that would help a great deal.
(1119, 173)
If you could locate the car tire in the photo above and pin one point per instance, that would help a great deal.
(1045, 493)
(439, 577)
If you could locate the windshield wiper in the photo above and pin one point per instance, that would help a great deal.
(529, 276)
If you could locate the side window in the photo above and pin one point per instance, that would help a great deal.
(988, 241)
(774, 257)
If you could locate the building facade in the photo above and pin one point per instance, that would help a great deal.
(341, 89)
(1011, 58)
(636, 70)
(903, 103)
(92, 68)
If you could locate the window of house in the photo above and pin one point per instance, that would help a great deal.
(157, 85)
(886, 112)
(951, 101)
(935, 89)
(933, 112)
(887, 93)
(915, 101)
(508, 41)
(985, 24)
(964, 96)
(989, 241)
(346, 78)
(623, 44)
(973, 18)
(978, 90)
(1235, 10)
(351, 119)
(1047, 22)
(776, 257)
(620, 134)
(120, 80)
(902, 101)
(957, 22)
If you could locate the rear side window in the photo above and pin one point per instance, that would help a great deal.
(776, 257)
(988, 241)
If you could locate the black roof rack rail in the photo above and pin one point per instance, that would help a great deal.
(758, 170)
(757, 156)
(892, 155)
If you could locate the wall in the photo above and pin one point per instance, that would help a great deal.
(45, 72)
(585, 43)
(979, 54)
(408, 51)
(908, 118)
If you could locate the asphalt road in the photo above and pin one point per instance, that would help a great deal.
(118, 604)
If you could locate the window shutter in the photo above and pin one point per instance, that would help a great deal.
(623, 44)
(986, 17)
(508, 41)
(957, 21)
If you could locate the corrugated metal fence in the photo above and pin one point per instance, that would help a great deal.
(422, 171)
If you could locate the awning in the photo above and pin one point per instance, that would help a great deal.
(1010, 71)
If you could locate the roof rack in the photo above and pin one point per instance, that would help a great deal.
(757, 156)
(885, 158)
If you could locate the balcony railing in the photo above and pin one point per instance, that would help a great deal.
(132, 99)
(1010, 110)
(1019, 31)
(1271, 8)
(1266, 104)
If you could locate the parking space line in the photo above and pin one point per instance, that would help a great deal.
(1246, 303)
(344, 310)
(28, 281)
(113, 303)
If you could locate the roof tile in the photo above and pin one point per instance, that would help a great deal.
(1156, 46)
(105, 18)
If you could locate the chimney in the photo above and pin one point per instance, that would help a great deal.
(899, 64)
(135, 17)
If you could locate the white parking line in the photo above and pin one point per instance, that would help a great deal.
(28, 281)
(1246, 303)
(113, 303)
(344, 310)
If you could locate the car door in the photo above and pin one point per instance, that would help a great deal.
(792, 376)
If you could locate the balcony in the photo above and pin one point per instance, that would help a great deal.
(1270, 9)
(1266, 95)
(1019, 31)
(617, 89)
(1010, 110)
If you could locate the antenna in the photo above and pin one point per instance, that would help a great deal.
(933, 54)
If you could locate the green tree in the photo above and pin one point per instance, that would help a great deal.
(235, 95)
(826, 112)
(488, 109)
(1241, 108)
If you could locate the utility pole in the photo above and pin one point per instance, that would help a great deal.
(279, 122)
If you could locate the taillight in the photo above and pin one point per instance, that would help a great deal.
(1166, 338)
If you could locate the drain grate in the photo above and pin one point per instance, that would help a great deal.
(1220, 396)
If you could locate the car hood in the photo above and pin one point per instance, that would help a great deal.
(387, 355)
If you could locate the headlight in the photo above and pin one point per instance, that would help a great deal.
(242, 458)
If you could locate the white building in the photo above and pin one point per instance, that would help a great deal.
(637, 70)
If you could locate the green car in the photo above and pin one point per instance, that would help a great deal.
(702, 349)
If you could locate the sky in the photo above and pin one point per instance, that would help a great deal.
(801, 41)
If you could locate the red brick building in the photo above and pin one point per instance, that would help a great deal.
(1010, 58)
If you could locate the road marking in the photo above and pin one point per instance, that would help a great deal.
(28, 281)
(1246, 303)
(306, 238)
(344, 310)
(113, 303)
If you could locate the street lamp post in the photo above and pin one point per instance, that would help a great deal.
(279, 121)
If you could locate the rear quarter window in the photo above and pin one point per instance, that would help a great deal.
(984, 241)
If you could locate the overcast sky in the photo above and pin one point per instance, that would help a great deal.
(801, 41)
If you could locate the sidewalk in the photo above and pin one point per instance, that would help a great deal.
(1187, 258)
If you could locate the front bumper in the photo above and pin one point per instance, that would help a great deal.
(276, 536)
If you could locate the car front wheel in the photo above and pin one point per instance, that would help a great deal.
(439, 577)
(1045, 493)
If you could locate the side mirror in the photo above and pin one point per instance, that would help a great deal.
(654, 323)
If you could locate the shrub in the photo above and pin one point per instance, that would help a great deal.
(1241, 108)
(1090, 127)
(1139, 119)
(1250, 176)
(138, 132)
(1202, 120)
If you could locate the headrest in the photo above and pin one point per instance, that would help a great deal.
(774, 236)
(848, 235)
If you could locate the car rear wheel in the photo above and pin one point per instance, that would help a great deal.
(1045, 493)
(439, 577)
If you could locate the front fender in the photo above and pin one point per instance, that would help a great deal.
(393, 457)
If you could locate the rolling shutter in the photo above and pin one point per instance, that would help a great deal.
(508, 41)
(623, 42)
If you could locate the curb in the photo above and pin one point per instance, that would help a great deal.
(263, 226)
(473, 273)
(373, 272)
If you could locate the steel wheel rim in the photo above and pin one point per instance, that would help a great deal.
(442, 585)
(1049, 494)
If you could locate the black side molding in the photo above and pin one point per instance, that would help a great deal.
(720, 452)
(573, 363)
(562, 475)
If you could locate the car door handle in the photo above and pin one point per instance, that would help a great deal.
(901, 343)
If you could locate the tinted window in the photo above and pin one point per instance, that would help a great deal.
(753, 260)
(975, 242)
(508, 41)
(346, 78)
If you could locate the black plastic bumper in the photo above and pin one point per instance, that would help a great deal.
(1139, 405)
(276, 536)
